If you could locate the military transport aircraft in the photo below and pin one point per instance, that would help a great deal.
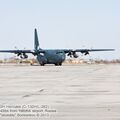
(50, 56)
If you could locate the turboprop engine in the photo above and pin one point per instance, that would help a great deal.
(73, 54)
(22, 55)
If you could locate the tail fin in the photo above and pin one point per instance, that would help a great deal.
(36, 42)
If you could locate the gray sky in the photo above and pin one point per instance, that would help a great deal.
(61, 24)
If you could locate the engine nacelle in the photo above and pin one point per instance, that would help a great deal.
(69, 54)
(75, 55)
(23, 56)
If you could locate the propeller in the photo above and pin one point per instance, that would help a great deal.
(23, 56)
(72, 54)
(86, 53)
(75, 55)
(69, 54)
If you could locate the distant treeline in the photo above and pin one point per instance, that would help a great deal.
(68, 61)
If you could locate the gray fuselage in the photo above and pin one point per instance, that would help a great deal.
(51, 57)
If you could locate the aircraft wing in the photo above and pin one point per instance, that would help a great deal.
(92, 50)
(16, 51)
(84, 51)
(22, 53)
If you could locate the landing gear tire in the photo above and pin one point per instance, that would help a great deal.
(58, 64)
(42, 64)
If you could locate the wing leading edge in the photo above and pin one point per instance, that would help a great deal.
(86, 50)
(65, 50)
(83, 51)
(16, 51)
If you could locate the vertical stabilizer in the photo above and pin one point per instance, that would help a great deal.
(36, 42)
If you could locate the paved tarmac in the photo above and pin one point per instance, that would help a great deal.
(68, 92)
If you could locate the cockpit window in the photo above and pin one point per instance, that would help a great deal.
(60, 52)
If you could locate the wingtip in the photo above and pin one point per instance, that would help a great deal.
(112, 49)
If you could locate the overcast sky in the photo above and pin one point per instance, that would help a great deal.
(61, 24)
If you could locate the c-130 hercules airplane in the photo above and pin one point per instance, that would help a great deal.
(50, 56)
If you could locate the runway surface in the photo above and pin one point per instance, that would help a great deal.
(69, 92)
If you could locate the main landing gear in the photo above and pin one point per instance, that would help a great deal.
(42, 64)
(58, 64)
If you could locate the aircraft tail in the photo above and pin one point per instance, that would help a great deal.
(36, 42)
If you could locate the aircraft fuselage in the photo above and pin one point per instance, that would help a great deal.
(51, 57)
